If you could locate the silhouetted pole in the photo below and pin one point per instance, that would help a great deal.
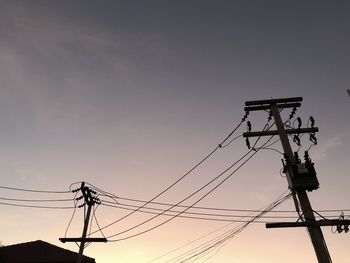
(83, 237)
(298, 187)
(316, 235)
(90, 202)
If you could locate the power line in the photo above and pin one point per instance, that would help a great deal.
(220, 239)
(146, 221)
(36, 206)
(71, 219)
(205, 195)
(196, 215)
(200, 189)
(125, 206)
(181, 178)
(36, 200)
(220, 183)
(213, 208)
(33, 190)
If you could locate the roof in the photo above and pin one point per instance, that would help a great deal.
(38, 251)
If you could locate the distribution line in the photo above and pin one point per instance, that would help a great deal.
(180, 179)
(210, 218)
(202, 237)
(149, 210)
(183, 200)
(33, 190)
(221, 239)
(215, 208)
(71, 218)
(37, 206)
(36, 200)
(230, 167)
(205, 195)
(200, 216)
(194, 193)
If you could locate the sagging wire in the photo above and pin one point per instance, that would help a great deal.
(182, 177)
(220, 183)
(203, 237)
(71, 218)
(221, 239)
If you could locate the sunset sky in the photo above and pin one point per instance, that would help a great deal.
(130, 95)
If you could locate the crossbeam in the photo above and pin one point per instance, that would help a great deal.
(334, 222)
(276, 132)
(79, 239)
(268, 107)
(273, 101)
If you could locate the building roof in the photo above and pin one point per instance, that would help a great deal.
(39, 252)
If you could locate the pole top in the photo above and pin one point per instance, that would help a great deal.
(273, 101)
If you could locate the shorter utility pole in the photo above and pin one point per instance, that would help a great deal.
(301, 176)
(90, 201)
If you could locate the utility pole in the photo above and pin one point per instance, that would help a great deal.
(301, 177)
(90, 201)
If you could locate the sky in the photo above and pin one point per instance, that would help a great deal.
(130, 95)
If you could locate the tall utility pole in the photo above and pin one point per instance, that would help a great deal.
(90, 201)
(296, 182)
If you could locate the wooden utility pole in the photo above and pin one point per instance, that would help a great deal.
(90, 201)
(298, 183)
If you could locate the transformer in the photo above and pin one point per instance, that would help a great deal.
(301, 176)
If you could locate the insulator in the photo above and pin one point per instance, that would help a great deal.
(307, 157)
(313, 138)
(346, 228)
(270, 116)
(299, 122)
(292, 113)
(296, 139)
(286, 157)
(296, 157)
(249, 126)
(247, 143)
(245, 116)
(312, 121)
(339, 229)
(75, 190)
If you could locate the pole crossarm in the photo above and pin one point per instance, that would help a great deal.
(268, 107)
(335, 222)
(256, 105)
(273, 101)
(276, 132)
(79, 239)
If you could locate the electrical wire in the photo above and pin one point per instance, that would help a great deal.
(221, 239)
(146, 221)
(231, 234)
(205, 195)
(181, 178)
(200, 189)
(149, 210)
(212, 208)
(98, 225)
(33, 191)
(36, 206)
(208, 218)
(71, 219)
(36, 200)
